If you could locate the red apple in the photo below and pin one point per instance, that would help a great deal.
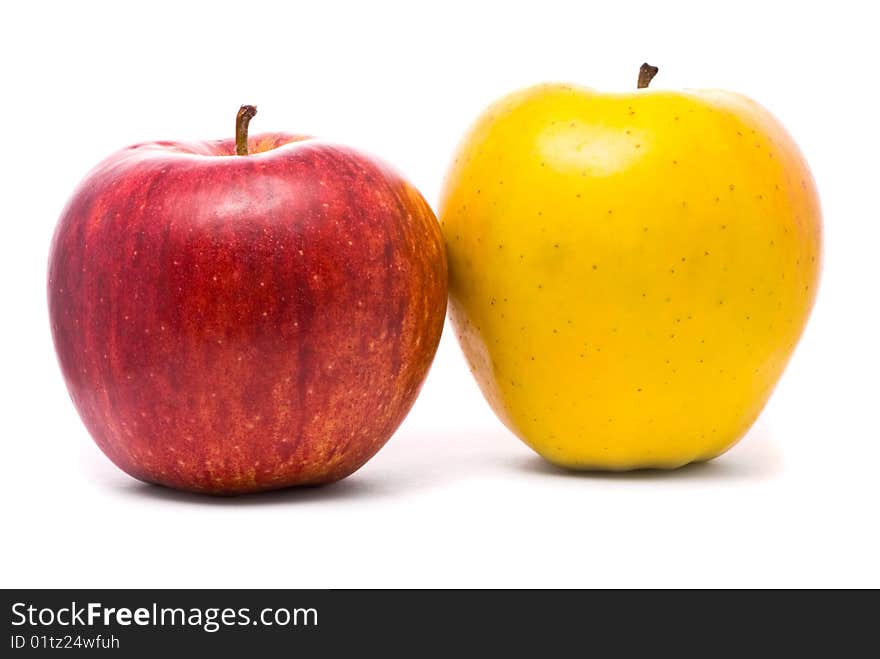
(235, 323)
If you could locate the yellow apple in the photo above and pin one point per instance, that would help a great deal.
(629, 272)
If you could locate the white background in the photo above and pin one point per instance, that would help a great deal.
(453, 499)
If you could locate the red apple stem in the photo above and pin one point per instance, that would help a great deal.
(646, 75)
(242, 119)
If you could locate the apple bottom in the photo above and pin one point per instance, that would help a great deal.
(232, 417)
(185, 447)
(234, 478)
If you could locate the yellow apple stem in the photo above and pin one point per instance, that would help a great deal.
(646, 75)
(242, 119)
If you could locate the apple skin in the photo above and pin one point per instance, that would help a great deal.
(629, 273)
(229, 324)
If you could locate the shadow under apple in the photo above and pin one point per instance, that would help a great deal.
(414, 462)
(348, 488)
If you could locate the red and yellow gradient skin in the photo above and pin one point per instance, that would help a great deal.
(230, 324)
(629, 273)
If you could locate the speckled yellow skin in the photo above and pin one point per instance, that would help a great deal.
(629, 273)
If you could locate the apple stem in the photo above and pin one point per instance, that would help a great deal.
(242, 119)
(646, 75)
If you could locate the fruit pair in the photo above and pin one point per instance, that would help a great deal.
(628, 276)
